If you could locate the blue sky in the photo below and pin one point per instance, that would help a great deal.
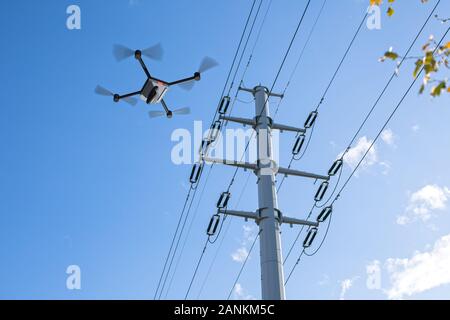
(91, 183)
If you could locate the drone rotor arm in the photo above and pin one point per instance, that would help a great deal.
(194, 77)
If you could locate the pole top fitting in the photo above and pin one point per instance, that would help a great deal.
(261, 88)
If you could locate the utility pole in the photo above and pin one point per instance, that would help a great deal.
(268, 216)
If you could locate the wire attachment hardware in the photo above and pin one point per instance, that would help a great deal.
(223, 200)
(310, 237)
(213, 224)
(224, 104)
(324, 214)
(337, 165)
(215, 130)
(321, 191)
(311, 119)
(195, 173)
(298, 144)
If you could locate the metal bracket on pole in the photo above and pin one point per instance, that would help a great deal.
(253, 123)
(239, 164)
(245, 122)
(253, 91)
(257, 217)
(291, 172)
(280, 170)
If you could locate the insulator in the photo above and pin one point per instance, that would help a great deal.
(298, 145)
(223, 200)
(224, 104)
(195, 173)
(213, 224)
(310, 237)
(215, 130)
(324, 214)
(204, 146)
(311, 119)
(321, 192)
(335, 167)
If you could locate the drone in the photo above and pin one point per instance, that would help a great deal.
(154, 90)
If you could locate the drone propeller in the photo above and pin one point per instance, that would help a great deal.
(105, 92)
(122, 52)
(206, 64)
(155, 114)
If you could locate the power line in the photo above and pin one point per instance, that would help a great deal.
(322, 99)
(373, 143)
(293, 268)
(301, 54)
(276, 78)
(273, 85)
(215, 115)
(196, 269)
(386, 123)
(243, 264)
(189, 231)
(231, 86)
(177, 244)
(223, 237)
(360, 128)
(173, 241)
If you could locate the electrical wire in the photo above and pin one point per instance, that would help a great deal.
(173, 241)
(196, 269)
(322, 99)
(392, 114)
(177, 244)
(231, 86)
(243, 264)
(365, 120)
(297, 64)
(293, 268)
(227, 228)
(189, 230)
(215, 115)
(386, 123)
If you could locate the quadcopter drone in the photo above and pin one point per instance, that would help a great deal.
(154, 90)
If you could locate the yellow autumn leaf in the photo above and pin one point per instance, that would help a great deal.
(376, 2)
(390, 12)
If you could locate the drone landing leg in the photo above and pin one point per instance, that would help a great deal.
(168, 112)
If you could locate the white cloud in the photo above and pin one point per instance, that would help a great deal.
(424, 203)
(415, 128)
(420, 273)
(325, 280)
(240, 255)
(388, 137)
(355, 154)
(240, 294)
(345, 286)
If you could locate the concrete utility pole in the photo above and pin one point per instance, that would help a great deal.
(268, 217)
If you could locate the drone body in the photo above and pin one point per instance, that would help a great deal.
(154, 90)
